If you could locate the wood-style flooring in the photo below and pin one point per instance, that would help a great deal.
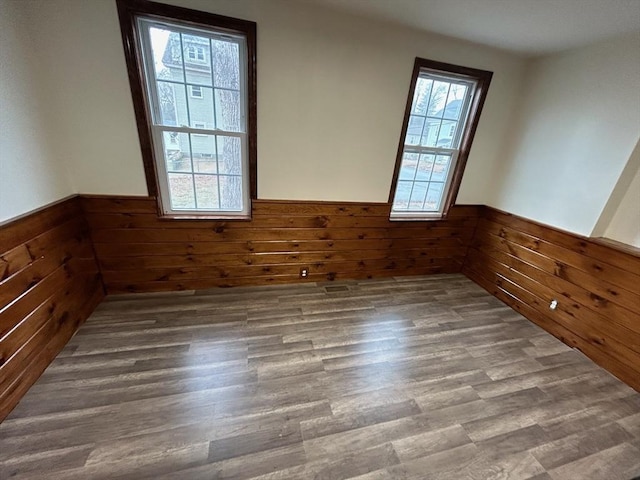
(405, 378)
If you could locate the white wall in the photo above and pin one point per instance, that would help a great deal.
(93, 124)
(331, 96)
(30, 174)
(578, 126)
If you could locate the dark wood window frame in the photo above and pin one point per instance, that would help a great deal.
(483, 80)
(128, 10)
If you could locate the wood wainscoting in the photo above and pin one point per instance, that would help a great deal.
(597, 286)
(49, 284)
(139, 252)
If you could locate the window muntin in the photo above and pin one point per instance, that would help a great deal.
(200, 139)
(445, 104)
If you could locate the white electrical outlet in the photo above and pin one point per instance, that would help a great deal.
(304, 272)
(553, 305)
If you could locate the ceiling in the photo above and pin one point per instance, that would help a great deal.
(528, 27)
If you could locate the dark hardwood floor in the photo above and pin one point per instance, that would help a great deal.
(401, 378)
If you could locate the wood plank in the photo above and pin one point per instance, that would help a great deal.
(621, 277)
(44, 320)
(101, 221)
(575, 243)
(113, 203)
(599, 290)
(25, 228)
(153, 235)
(207, 283)
(293, 258)
(193, 272)
(575, 295)
(16, 285)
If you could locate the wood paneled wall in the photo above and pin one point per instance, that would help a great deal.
(138, 252)
(50, 280)
(49, 284)
(597, 286)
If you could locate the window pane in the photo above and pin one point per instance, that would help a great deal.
(173, 104)
(231, 192)
(441, 169)
(228, 110)
(438, 99)
(417, 195)
(401, 200)
(197, 61)
(207, 191)
(446, 134)
(167, 56)
(430, 133)
(434, 197)
(408, 166)
(204, 154)
(181, 191)
(455, 101)
(226, 64)
(414, 130)
(421, 96)
(229, 155)
(201, 107)
(177, 154)
(425, 168)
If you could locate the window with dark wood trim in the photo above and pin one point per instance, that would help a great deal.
(193, 85)
(440, 121)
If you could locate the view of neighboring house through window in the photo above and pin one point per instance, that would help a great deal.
(197, 89)
(443, 112)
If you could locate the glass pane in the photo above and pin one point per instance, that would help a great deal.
(441, 169)
(201, 107)
(417, 195)
(231, 192)
(204, 154)
(438, 99)
(197, 61)
(421, 96)
(228, 115)
(181, 191)
(414, 130)
(434, 197)
(425, 167)
(173, 104)
(229, 155)
(430, 133)
(455, 101)
(226, 64)
(207, 191)
(408, 166)
(403, 191)
(167, 56)
(446, 134)
(177, 155)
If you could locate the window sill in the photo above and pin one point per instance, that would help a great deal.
(205, 218)
(417, 218)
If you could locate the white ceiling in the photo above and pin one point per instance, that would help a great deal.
(529, 27)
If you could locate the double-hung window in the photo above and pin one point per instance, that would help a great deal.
(195, 72)
(443, 110)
